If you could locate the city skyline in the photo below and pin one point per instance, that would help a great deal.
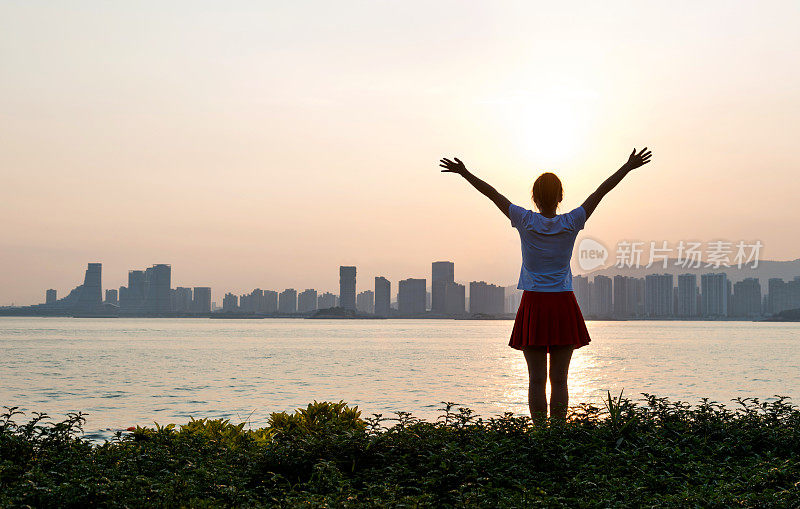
(234, 142)
(707, 295)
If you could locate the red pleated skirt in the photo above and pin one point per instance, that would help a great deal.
(549, 319)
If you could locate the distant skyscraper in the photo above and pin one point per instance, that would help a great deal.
(486, 298)
(111, 296)
(131, 298)
(441, 274)
(365, 301)
(714, 294)
(230, 303)
(659, 295)
(687, 296)
(383, 296)
(326, 300)
(455, 299)
(513, 300)
(746, 298)
(90, 295)
(411, 296)
(270, 302)
(201, 299)
(182, 299)
(601, 297)
(580, 286)
(307, 301)
(157, 284)
(51, 296)
(287, 301)
(622, 302)
(347, 287)
(250, 302)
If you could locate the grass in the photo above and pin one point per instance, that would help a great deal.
(654, 453)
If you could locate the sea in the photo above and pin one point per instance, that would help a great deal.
(123, 372)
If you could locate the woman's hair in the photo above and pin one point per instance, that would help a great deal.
(547, 191)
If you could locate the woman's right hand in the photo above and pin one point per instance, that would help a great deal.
(636, 160)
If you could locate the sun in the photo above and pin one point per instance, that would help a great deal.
(545, 128)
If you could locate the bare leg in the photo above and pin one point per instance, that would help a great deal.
(536, 357)
(559, 368)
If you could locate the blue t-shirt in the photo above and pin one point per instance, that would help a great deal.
(547, 244)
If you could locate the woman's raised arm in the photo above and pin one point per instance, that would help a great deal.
(456, 166)
(634, 161)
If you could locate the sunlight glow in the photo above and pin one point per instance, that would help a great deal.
(546, 126)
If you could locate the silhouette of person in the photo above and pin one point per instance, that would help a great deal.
(548, 319)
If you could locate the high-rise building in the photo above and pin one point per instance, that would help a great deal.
(252, 302)
(230, 303)
(601, 297)
(454, 298)
(131, 297)
(287, 301)
(270, 302)
(182, 299)
(157, 284)
(347, 287)
(326, 300)
(714, 295)
(383, 296)
(513, 299)
(51, 296)
(624, 301)
(411, 296)
(486, 298)
(307, 301)
(90, 296)
(659, 295)
(201, 299)
(365, 301)
(111, 296)
(687, 296)
(746, 302)
(580, 287)
(441, 274)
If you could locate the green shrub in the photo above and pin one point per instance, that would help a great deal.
(655, 453)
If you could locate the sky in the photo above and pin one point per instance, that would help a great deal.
(263, 144)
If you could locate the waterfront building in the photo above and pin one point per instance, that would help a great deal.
(365, 301)
(442, 273)
(307, 301)
(746, 298)
(383, 296)
(686, 306)
(411, 296)
(287, 301)
(326, 300)
(182, 299)
(201, 299)
(601, 297)
(580, 287)
(230, 303)
(714, 295)
(347, 287)
(486, 298)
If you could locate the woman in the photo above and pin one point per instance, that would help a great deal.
(548, 319)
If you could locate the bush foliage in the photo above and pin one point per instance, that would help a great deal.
(655, 453)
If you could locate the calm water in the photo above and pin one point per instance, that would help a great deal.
(125, 372)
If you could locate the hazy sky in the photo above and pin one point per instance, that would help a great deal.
(266, 143)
